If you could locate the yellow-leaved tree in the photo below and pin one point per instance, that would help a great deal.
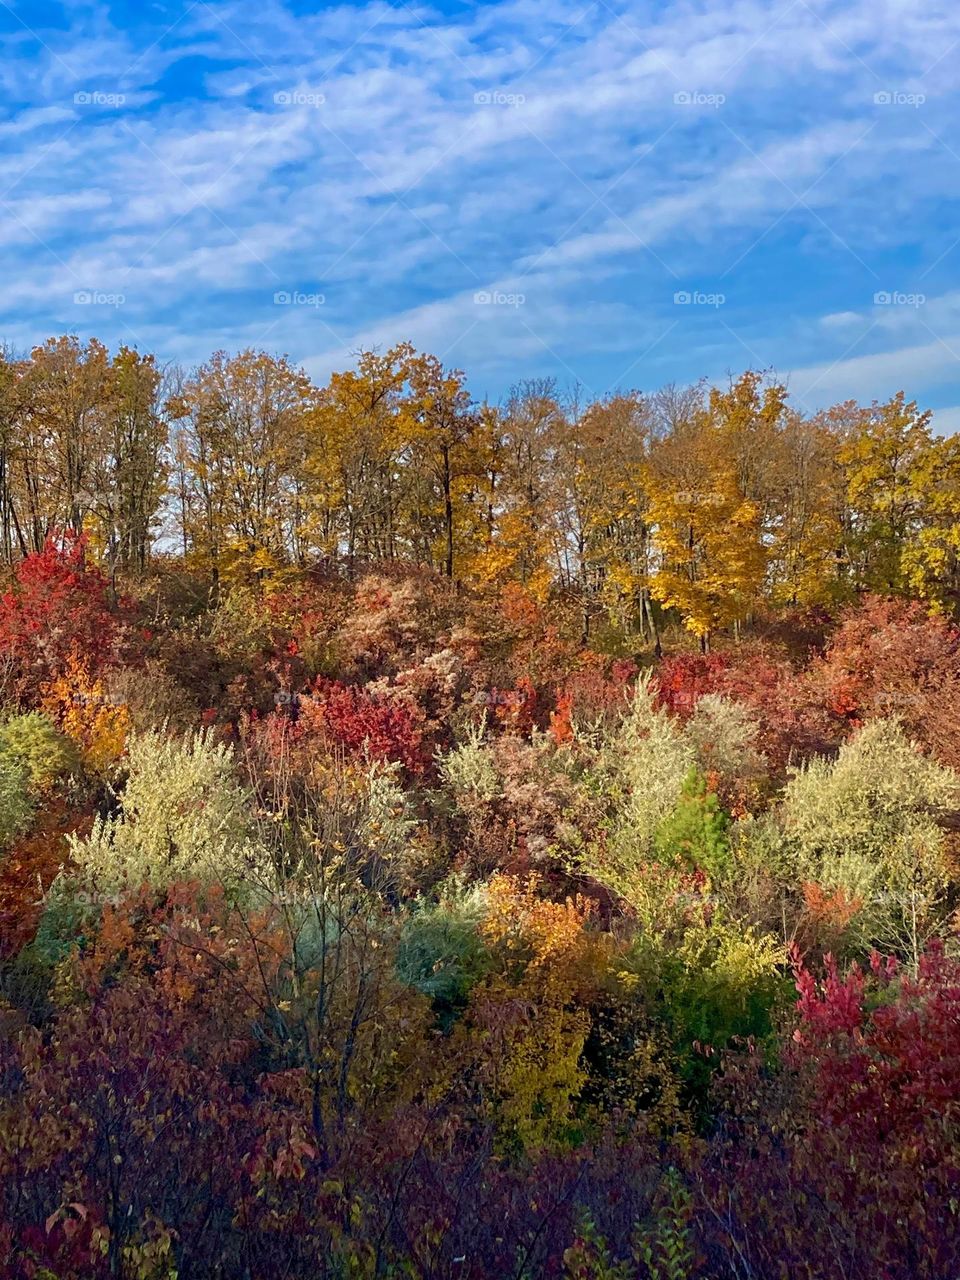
(931, 558)
(517, 490)
(357, 438)
(888, 465)
(442, 469)
(604, 537)
(238, 473)
(710, 557)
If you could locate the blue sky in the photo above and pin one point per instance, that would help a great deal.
(614, 193)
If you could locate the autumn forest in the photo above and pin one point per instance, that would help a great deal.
(446, 839)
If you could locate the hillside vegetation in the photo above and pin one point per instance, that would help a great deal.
(443, 840)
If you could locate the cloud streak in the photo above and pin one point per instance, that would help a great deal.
(597, 158)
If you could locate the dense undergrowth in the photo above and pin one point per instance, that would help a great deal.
(446, 840)
(378, 927)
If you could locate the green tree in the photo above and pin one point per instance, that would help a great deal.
(697, 831)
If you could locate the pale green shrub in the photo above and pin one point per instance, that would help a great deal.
(16, 811)
(184, 816)
(647, 757)
(636, 769)
(866, 823)
(388, 823)
(37, 744)
(469, 772)
(879, 792)
(723, 736)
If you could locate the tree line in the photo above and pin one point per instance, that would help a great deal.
(709, 501)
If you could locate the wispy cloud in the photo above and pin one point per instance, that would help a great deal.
(597, 160)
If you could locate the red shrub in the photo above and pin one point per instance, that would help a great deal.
(520, 709)
(684, 678)
(522, 639)
(389, 729)
(847, 1161)
(792, 719)
(794, 722)
(561, 730)
(60, 605)
(594, 691)
(892, 658)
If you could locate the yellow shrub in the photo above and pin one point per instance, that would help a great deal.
(83, 709)
(528, 1022)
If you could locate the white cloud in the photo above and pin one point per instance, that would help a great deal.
(947, 421)
(880, 374)
(578, 181)
(842, 320)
